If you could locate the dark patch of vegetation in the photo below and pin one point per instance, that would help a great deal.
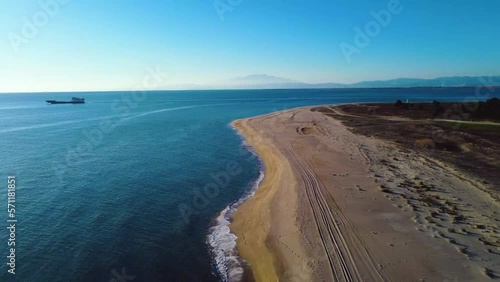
(489, 273)
(384, 189)
(438, 109)
(465, 111)
(472, 147)
(430, 201)
(473, 111)
(458, 219)
(486, 110)
(480, 226)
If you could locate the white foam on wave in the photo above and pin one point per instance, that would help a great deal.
(119, 117)
(59, 123)
(159, 111)
(227, 262)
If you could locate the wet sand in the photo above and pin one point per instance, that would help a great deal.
(331, 209)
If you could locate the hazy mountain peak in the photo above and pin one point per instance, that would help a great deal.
(261, 79)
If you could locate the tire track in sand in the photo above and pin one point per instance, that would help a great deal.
(333, 227)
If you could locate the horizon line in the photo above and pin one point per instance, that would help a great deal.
(243, 89)
(269, 86)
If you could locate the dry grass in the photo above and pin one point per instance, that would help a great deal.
(425, 143)
(471, 147)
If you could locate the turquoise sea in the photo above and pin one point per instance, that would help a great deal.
(139, 186)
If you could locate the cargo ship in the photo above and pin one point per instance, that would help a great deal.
(74, 100)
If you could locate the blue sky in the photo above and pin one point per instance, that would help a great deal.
(108, 45)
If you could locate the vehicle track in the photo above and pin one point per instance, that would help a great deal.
(334, 228)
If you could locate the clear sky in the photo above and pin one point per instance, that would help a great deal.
(108, 45)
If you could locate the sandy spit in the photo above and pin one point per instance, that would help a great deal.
(321, 212)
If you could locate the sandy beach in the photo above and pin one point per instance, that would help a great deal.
(340, 206)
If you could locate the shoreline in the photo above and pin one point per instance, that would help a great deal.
(306, 223)
(254, 243)
(222, 241)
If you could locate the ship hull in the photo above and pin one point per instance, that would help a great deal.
(65, 102)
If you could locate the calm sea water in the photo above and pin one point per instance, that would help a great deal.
(120, 190)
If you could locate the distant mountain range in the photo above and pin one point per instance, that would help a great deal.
(263, 81)
(454, 81)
